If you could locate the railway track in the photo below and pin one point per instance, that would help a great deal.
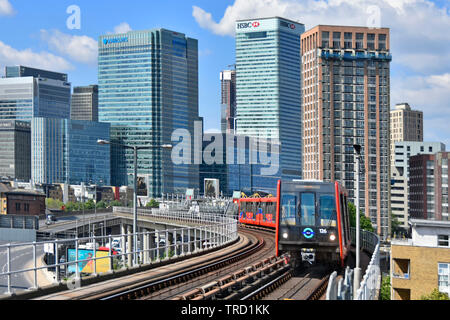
(167, 281)
(233, 273)
(247, 271)
(308, 285)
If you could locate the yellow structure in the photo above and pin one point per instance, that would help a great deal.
(3, 198)
(421, 264)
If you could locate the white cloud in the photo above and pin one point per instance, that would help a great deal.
(419, 39)
(82, 49)
(45, 60)
(6, 9)
(430, 94)
(122, 28)
(419, 29)
(241, 9)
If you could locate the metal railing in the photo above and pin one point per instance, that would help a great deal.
(81, 256)
(19, 222)
(371, 282)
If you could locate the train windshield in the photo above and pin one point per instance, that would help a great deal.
(328, 213)
(308, 209)
(288, 212)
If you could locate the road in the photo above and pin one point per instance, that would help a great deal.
(22, 257)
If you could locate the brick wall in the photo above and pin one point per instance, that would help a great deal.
(423, 270)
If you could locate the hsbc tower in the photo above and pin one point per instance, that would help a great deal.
(268, 86)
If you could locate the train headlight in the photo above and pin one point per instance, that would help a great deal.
(285, 235)
(332, 237)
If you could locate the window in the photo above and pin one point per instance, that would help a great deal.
(328, 212)
(443, 277)
(401, 268)
(359, 40)
(325, 39)
(26, 207)
(288, 205)
(307, 209)
(348, 40)
(256, 35)
(17, 206)
(336, 40)
(443, 240)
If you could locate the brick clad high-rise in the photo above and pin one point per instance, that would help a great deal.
(346, 101)
(428, 186)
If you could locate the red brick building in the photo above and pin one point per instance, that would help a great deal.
(428, 183)
(21, 202)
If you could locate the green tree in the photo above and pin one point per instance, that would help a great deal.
(152, 204)
(385, 290)
(364, 222)
(101, 204)
(89, 205)
(115, 203)
(53, 203)
(73, 206)
(435, 295)
(397, 229)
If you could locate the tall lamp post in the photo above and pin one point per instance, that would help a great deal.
(357, 271)
(135, 150)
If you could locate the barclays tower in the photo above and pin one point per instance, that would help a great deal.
(148, 87)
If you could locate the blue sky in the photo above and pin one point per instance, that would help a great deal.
(35, 34)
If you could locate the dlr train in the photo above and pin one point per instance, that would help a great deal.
(310, 219)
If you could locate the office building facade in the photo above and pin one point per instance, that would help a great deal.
(346, 101)
(148, 88)
(228, 100)
(84, 104)
(239, 166)
(405, 125)
(421, 264)
(268, 86)
(428, 186)
(15, 150)
(400, 175)
(27, 92)
(66, 151)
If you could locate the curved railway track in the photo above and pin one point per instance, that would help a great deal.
(202, 285)
(247, 270)
(167, 281)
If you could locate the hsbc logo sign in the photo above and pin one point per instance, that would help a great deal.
(246, 25)
(287, 25)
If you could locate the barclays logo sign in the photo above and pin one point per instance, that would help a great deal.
(115, 40)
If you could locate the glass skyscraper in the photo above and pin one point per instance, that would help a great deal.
(84, 103)
(268, 85)
(148, 87)
(15, 156)
(240, 167)
(66, 151)
(27, 92)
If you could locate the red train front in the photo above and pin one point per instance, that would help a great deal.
(258, 211)
(313, 221)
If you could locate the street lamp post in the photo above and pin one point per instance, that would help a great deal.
(135, 211)
(357, 271)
